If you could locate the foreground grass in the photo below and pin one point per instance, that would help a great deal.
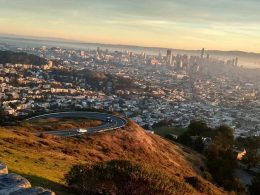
(39, 159)
(50, 124)
(40, 169)
(44, 160)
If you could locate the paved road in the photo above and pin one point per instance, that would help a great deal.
(117, 122)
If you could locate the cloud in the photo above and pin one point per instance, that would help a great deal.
(196, 20)
(58, 21)
(137, 22)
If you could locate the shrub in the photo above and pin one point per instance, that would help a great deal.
(195, 182)
(254, 188)
(121, 177)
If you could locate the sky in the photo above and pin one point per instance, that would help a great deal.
(180, 24)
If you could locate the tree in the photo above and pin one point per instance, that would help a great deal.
(199, 128)
(185, 139)
(223, 137)
(2, 115)
(254, 188)
(221, 165)
(198, 145)
(221, 160)
(21, 58)
(251, 144)
(162, 123)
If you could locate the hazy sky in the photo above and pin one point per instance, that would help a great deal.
(186, 24)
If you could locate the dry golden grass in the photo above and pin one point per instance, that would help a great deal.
(51, 124)
(45, 159)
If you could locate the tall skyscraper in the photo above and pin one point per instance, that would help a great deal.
(160, 55)
(169, 57)
(144, 55)
(98, 51)
(236, 61)
(202, 53)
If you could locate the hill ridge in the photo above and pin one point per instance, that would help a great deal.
(56, 155)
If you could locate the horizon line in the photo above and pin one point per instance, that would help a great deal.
(66, 40)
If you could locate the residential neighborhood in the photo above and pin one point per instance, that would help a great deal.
(146, 88)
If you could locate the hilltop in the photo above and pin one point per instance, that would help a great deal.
(95, 80)
(44, 160)
(20, 58)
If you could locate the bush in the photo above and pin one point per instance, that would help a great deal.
(185, 139)
(254, 188)
(207, 176)
(221, 160)
(199, 128)
(195, 182)
(121, 177)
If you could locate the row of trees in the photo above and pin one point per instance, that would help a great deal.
(20, 58)
(221, 159)
(192, 137)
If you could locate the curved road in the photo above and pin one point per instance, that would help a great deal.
(117, 122)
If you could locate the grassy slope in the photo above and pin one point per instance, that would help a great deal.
(44, 161)
(51, 124)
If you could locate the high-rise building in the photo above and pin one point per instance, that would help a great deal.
(236, 61)
(202, 53)
(169, 57)
(160, 55)
(144, 55)
(98, 50)
(82, 53)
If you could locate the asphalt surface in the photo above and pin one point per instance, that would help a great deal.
(117, 122)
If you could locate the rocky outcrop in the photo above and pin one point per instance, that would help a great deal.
(33, 191)
(13, 184)
(3, 169)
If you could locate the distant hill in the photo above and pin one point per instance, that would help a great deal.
(93, 79)
(45, 40)
(44, 160)
(20, 58)
(247, 59)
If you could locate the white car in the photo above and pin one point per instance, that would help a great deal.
(109, 120)
(82, 130)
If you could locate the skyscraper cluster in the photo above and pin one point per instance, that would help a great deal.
(194, 63)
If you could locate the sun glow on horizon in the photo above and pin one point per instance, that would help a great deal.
(179, 24)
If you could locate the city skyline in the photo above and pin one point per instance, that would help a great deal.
(222, 25)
